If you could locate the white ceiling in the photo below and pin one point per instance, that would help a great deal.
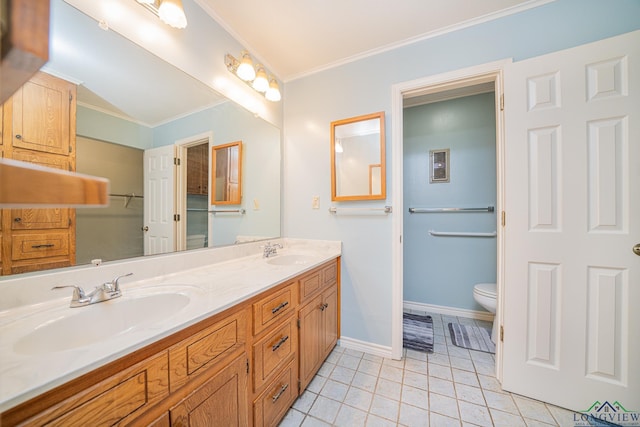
(298, 37)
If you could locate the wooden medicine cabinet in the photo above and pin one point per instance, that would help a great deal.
(226, 178)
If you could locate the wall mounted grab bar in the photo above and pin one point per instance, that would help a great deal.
(440, 210)
(336, 210)
(460, 234)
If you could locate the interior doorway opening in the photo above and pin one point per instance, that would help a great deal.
(461, 83)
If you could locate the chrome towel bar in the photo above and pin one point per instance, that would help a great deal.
(241, 211)
(336, 210)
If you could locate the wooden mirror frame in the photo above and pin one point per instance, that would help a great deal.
(236, 196)
(381, 163)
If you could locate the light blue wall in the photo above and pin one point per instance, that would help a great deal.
(104, 127)
(364, 86)
(261, 164)
(443, 270)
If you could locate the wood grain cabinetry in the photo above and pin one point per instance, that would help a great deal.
(39, 128)
(113, 400)
(221, 401)
(240, 367)
(319, 319)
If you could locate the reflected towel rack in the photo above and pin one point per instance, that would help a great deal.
(460, 234)
(127, 197)
(241, 211)
(439, 210)
(336, 210)
(197, 210)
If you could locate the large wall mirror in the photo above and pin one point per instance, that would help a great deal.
(130, 102)
(358, 158)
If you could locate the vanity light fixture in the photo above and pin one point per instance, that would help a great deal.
(255, 76)
(170, 12)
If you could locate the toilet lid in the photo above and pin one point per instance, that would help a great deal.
(487, 289)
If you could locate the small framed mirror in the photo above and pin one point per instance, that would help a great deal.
(226, 175)
(358, 158)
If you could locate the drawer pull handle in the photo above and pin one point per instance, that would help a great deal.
(279, 343)
(280, 307)
(18, 219)
(279, 393)
(47, 245)
(323, 307)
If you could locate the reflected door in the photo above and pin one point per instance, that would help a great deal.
(159, 204)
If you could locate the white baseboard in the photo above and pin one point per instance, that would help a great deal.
(450, 311)
(367, 347)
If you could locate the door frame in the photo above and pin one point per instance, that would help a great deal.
(181, 186)
(490, 72)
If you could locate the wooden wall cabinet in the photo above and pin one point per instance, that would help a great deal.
(241, 367)
(40, 128)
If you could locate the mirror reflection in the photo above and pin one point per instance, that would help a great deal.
(227, 174)
(358, 158)
(130, 103)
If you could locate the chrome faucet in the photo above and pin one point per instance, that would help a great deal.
(104, 292)
(271, 250)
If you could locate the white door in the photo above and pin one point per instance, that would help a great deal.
(572, 281)
(159, 200)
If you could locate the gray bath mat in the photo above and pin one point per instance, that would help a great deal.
(417, 332)
(472, 337)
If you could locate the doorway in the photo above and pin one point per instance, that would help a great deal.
(456, 84)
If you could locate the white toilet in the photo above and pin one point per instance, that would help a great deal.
(485, 294)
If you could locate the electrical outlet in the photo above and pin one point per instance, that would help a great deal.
(315, 202)
(256, 204)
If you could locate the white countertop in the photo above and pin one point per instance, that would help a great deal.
(211, 288)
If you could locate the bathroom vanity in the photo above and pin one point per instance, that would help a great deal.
(241, 339)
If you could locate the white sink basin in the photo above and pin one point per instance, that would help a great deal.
(290, 259)
(82, 326)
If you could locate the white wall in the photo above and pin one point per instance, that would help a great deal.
(363, 87)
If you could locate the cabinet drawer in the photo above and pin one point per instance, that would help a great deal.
(274, 307)
(222, 340)
(310, 284)
(330, 273)
(32, 246)
(270, 407)
(271, 352)
(111, 401)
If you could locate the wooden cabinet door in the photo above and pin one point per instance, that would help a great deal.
(329, 319)
(221, 401)
(43, 115)
(40, 219)
(310, 317)
(197, 169)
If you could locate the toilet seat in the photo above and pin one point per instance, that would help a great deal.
(488, 290)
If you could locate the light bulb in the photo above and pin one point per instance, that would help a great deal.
(245, 70)
(261, 84)
(273, 93)
(172, 13)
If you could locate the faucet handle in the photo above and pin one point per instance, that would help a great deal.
(78, 292)
(114, 282)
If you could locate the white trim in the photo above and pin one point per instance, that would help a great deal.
(391, 46)
(449, 311)
(367, 347)
(492, 71)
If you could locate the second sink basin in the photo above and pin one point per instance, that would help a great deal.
(290, 259)
(82, 326)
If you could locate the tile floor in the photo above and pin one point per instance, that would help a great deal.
(450, 387)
